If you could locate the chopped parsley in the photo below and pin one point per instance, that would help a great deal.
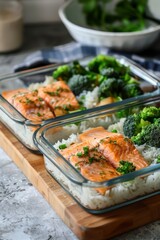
(62, 146)
(102, 173)
(39, 114)
(28, 101)
(77, 166)
(52, 93)
(114, 131)
(91, 159)
(84, 153)
(86, 150)
(66, 107)
(125, 167)
(112, 141)
(40, 99)
(79, 154)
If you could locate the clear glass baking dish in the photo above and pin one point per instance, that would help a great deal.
(120, 190)
(23, 128)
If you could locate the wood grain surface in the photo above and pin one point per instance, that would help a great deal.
(85, 226)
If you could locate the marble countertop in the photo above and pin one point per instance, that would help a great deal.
(25, 214)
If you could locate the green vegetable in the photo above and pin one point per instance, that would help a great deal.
(131, 90)
(158, 159)
(101, 62)
(128, 15)
(149, 135)
(65, 72)
(84, 153)
(78, 83)
(144, 127)
(62, 146)
(86, 150)
(108, 72)
(113, 78)
(110, 87)
(150, 113)
(77, 68)
(114, 131)
(79, 154)
(125, 167)
(132, 125)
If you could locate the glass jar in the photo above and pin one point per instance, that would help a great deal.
(11, 25)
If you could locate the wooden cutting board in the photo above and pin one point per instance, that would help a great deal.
(85, 226)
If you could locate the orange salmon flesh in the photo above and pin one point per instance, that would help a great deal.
(99, 152)
(47, 102)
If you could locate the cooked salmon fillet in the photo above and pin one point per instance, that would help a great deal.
(95, 134)
(29, 104)
(59, 97)
(91, 163)
(114, 147)
(46, 102)
(99, 153)
(11, 94)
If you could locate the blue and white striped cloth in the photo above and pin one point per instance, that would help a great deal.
(72, 51)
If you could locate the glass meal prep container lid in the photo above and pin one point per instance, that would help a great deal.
(108, 158)
(31, 98)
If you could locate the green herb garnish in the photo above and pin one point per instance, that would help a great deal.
(91, 159)
(114, 131)
(125, 167)
(28, 101)
(39, 114)
(62, 146)
(79, 154)
(86, 150)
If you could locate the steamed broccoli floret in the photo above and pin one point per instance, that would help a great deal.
(132, 125)
(77, 68)
(78, 83)
(144, 127)
(110, 75)
(149, 135)
(117, 88)
(150, 113)
(108, 66)
(131, 90)
(108, 72)
(101, 62)
(63, 72)
(110, 87)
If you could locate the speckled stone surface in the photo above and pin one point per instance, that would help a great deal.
(24, 213)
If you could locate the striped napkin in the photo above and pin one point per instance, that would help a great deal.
(73, 50)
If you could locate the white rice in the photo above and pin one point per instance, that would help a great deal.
(23, 132)
(34, 86)
(89, 98)
(121, 192)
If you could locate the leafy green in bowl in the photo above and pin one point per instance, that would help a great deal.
(113, 16)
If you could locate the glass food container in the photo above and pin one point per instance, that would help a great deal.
(102, 195)
(23, 128)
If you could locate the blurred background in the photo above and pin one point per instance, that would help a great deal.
(38, 11)
(41, 11)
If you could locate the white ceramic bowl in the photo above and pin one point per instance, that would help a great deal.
(73, 18)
